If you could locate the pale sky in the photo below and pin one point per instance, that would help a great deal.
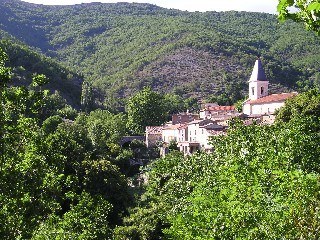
(268, 6)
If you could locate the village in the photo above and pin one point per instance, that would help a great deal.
(192, 132)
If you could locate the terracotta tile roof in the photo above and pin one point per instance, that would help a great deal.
(154, 129)
(273, 98)
(183, 126)
(196, 121)
(201, 122)
(220, 108)
(174, 127)
(217, 133)
(213, 126)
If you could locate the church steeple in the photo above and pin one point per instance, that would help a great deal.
(258, 73)
(258, 84)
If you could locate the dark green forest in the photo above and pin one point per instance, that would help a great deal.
(75, 79)
(121, 48)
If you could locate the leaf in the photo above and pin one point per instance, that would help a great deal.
(283, 4)
(314, 7)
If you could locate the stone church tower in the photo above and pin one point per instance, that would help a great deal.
(258, 84)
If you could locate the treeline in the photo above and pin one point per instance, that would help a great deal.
(121, 48)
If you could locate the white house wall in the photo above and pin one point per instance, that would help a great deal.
(246, 109)
(183, 135)
(169, 135)
(261, 109)
(199, 135)
(193, 132)
(267, 108)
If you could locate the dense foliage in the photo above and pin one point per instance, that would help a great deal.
(146, 108)
(59, 178)
(306, 11)
(121, 48)
(307, 104)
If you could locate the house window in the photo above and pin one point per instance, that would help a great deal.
(190, 139)
(262, 90)
(252, 90)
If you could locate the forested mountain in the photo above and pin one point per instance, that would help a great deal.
(122, 47)
(25, 62)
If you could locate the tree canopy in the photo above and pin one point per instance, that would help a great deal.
(57, 180)
(303, 105)
(305, 11)
(146, 108)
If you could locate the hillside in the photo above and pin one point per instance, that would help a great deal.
(122, 47)
(25, 62)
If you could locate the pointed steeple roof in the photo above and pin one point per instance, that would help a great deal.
(258, 73)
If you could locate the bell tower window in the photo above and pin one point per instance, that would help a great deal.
(252, 90)
(262, 90)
